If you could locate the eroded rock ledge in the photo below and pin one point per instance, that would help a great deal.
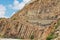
(34, 21)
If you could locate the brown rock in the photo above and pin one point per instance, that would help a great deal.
(35, 21)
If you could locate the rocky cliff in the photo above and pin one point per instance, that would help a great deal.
(37, 20)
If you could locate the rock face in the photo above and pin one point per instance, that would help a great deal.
(35, 21)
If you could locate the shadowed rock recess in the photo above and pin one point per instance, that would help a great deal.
(37, 20)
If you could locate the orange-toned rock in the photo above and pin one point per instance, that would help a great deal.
(35, 21)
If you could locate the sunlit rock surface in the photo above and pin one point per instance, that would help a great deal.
(35, 21)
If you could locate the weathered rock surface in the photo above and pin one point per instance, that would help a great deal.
(35, 21)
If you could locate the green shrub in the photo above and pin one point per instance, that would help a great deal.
(32, 37)
(51, 36)
(14, 18)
